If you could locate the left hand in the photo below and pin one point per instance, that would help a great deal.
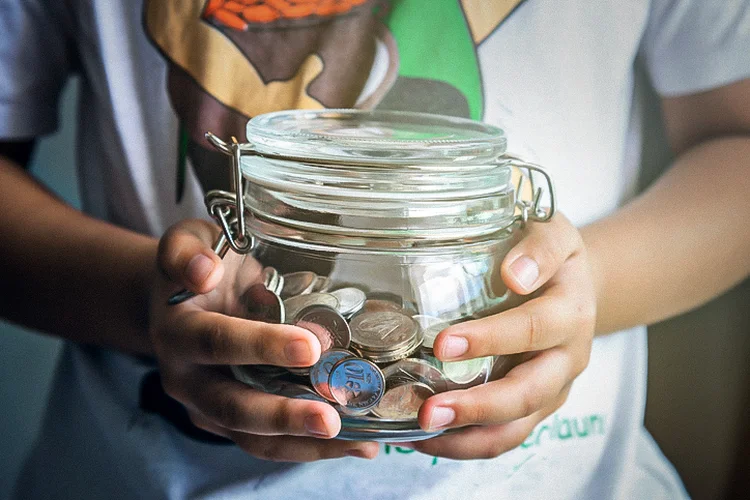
(555, 328)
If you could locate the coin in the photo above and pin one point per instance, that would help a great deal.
(271, 278)
(383, 331)
(264, 305)
(298, 283)
(403, 401)
(468, 371)
(323, 320)
(379, 305)
(415, 370)
(295, 304)
(321, 284)
(321, 371)
(324, 335)
(351, 300)
(430, 326)
(356, 383)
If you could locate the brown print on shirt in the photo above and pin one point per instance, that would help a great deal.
(230, 60)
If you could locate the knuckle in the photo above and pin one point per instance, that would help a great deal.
(230, 413)
(215, 340)
(532, 399)
(281, 418)
(534, 327)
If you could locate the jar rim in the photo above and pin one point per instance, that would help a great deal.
(377, 137)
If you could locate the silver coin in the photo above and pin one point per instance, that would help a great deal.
(298, 283)
(328, 325)
(263, 305)
(356, 383)
(322, 284)
(430, 327)
(416, 370)
(383, 331)
(321, 371)
(468, 372)
(402, 402)
(351, 300)
(271, 278)
(296, 304)
(380, 305)
(395, 355)
(279, 285)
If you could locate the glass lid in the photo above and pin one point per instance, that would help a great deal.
(380, 137)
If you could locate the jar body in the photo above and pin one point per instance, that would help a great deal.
(390, 228)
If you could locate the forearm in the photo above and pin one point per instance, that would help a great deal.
(68, 274)
(681, 243)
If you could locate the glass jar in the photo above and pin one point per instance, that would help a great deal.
(375, 231)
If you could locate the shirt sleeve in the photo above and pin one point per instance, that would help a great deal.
(34, 66)
(690, 46)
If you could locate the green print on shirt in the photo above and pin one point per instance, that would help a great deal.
(434, 43)
(566, 428)
(405, 451)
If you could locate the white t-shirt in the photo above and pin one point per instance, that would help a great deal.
(556, 75)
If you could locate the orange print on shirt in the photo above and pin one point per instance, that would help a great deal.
(240, 14)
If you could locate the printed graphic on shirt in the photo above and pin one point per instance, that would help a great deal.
(230, 60)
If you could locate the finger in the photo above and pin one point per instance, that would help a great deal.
(186, 258)
(479, 442)
(488, 441)
(202, 422)
(301, 449)
(212, 338)
(236, 407)
(536, 325)
(536, 258)
(525, 390)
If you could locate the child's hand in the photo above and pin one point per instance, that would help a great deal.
(556, 327)
(195, 340)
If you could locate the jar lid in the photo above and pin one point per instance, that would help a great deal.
(383, 137)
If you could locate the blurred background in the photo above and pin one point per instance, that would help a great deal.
(699, 363)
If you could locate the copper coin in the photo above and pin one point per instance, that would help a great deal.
(328, 325)
(263, 305)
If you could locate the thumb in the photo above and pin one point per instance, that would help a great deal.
(185, 256)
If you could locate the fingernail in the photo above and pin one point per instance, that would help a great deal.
(298, 352)
(314, 425)
(454, 347)
(441, 416)
(356, 452)
(198, 269)
(526, 271)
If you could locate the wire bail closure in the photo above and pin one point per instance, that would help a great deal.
(228, 208)
(531, 210)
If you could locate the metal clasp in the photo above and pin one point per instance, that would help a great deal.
(228, 207)
(531, 209)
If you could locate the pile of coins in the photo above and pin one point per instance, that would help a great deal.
(376, 350)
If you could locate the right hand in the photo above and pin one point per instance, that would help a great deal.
(196, 340)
